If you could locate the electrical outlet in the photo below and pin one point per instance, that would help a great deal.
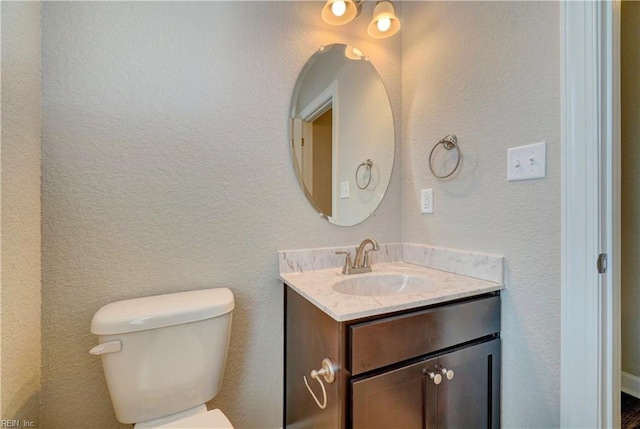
(344, 189)
(426, 200)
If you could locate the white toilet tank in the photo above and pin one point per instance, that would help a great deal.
(163, 354)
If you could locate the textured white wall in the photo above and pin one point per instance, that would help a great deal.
(489, 73)
(166, 167)
(630, 91)
(20, 218)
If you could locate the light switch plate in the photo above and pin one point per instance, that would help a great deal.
(426, 200)
(526, 162)
(344, 189)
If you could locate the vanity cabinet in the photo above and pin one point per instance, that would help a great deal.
(408, 397)
(430, 367)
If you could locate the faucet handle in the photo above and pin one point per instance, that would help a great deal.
(347, 262)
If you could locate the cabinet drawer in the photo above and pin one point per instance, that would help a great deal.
(394, 339)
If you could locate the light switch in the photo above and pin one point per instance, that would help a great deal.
(344, 189)
(526, 162)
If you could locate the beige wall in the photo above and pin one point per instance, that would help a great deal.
(630, 91)
(489, 72)
(20, 216)
(166, 167)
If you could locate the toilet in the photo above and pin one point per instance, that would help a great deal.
(164, 357)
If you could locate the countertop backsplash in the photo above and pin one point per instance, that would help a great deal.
(478, 265)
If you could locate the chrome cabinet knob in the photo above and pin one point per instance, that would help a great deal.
(447, 373)
(437, 378)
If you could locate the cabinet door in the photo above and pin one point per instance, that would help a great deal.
(471, 399)
(401, 399)
(407, 398)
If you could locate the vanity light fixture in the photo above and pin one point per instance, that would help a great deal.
(339, 12)
(384, 24)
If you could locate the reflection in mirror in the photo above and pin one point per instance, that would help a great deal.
(342, 134)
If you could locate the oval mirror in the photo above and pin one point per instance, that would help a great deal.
(342, 134)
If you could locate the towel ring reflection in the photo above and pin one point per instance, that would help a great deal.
(367, 164)
(449, 142)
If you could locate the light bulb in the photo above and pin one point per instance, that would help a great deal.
(383, 24)
(338, 8)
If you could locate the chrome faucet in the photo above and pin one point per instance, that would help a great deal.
(361, 262)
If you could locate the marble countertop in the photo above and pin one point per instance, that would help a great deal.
(317, 287)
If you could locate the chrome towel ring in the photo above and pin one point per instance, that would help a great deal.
(328, 372)
(449, 142)
(367, 164)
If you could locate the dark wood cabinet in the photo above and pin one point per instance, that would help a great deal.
(408, 397)
(391, 370)
(400, 398)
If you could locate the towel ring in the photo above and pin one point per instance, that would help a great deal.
(449, 142)
(367, 164)
(328, 372)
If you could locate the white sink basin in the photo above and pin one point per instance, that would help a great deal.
(384, 284)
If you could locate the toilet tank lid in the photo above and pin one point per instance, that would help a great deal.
(140, 314)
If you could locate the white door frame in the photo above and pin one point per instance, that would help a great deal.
(590, 355)
(328, 99)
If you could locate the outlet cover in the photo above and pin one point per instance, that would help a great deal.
(426, 200)
(344, 189)
(526, 162)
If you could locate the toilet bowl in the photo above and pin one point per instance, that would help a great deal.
(164, 357)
